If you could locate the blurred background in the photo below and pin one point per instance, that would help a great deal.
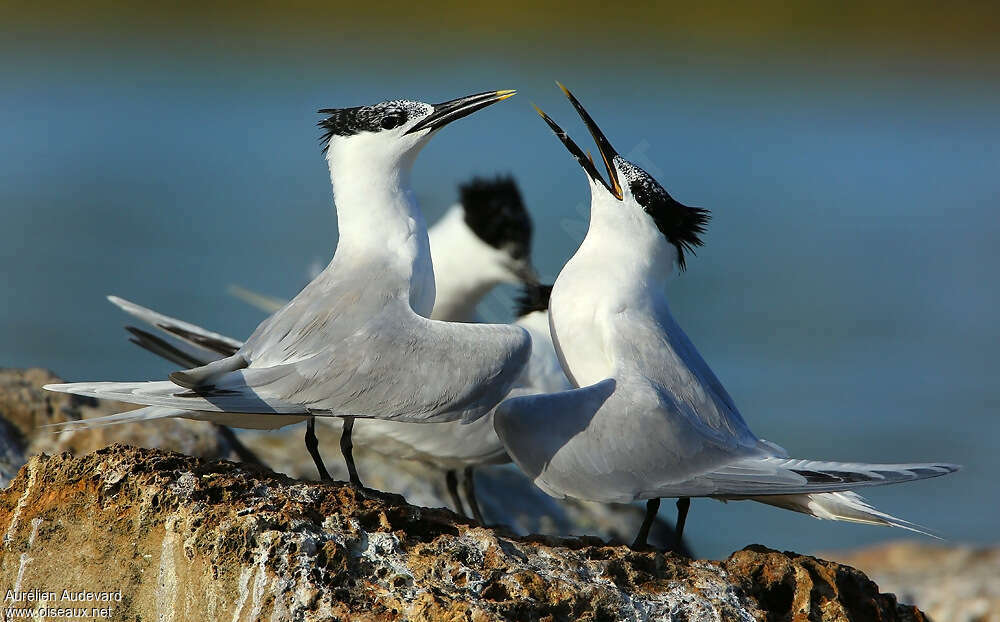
(846, 295)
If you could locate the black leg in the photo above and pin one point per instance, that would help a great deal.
(244, 453)
(312, 444)
(347, 448)
(470, 495)
(682, 513)
(451, 477)
(652, 507)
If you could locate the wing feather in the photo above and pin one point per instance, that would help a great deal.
(399, 366)
(404, 367)
(211, 345)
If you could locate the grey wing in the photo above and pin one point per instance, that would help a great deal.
(534, 428)
(190, 342)
(403, 367)
(655, 347)
(610, 441)
(615, 441)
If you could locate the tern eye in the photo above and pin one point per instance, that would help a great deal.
(390, 121)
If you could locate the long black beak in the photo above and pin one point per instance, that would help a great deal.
(603, 146)
(574, 149)
(608, 152)
(446, 112)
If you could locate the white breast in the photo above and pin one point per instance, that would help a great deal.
(579, 327)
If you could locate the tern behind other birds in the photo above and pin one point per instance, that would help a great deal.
(356, 341)
(649, 419)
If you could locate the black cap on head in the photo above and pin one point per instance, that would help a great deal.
(386, 115)
(533, 298)
(495, 212)
(680, 224)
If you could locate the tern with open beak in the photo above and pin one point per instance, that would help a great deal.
(648, 419)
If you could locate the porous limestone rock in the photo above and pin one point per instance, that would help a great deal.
(181, 538)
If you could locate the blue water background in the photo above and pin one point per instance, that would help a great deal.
(847, 294)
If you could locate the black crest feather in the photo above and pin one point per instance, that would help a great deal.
(533, 298)
(381, 116)
(683, 226)
(495, 212)
(338, 122)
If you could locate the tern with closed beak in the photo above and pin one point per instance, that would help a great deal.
(356, 342)
(481, 241)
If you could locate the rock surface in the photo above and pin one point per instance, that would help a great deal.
(950, 583)
(183, 538)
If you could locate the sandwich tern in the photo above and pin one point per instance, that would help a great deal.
(480, 242)
(356, 341)
(648, 419)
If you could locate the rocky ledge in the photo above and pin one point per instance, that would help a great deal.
(155, 535)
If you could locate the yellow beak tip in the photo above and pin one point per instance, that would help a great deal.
(502, 95)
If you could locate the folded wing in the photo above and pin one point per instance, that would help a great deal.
(620, 440)
(400, 366)
(404, 367)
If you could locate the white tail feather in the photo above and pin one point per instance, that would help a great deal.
(843, 506)
(150, 413)
(140, 414)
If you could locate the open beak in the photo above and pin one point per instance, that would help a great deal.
(584, 159)
(574, 149)
(446, 112)
(607, 152)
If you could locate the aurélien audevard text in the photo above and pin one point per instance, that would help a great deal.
(64, 603)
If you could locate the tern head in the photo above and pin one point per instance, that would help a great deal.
(494, 212)
(649, 207)
(394, 131)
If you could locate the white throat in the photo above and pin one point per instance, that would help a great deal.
(382, 231)
(621, 266)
